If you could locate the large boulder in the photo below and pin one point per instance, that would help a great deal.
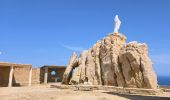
(137, 67)
(73, 62)
(112, 62)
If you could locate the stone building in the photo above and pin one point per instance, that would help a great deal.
(35, 76)
(12, 74)
(50, 74)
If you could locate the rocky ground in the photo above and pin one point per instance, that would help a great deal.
(44, 93)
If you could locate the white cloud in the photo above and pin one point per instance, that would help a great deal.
(73, 48)
(161, 59)
(0, 52)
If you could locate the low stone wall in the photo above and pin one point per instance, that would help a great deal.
(21, 76)
(35, 76)
(110, 89)
(165, 88)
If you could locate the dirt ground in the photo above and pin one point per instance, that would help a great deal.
(44, 93)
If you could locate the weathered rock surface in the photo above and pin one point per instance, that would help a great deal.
(112, 62)
(69, 70)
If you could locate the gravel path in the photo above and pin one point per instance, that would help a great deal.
(43, 93)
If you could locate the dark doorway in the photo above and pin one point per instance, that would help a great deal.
(52, 76)
(4, 76)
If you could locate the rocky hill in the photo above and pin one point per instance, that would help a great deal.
(112, 61)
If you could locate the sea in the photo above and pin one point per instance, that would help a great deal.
(164, 80)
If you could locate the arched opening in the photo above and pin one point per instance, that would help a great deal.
(53, 73)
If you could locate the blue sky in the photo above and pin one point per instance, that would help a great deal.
(46, 32)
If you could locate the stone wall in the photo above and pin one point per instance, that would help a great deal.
(110, 89)
(35, 76)
(21, 76)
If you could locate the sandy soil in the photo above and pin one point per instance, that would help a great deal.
(43, 93)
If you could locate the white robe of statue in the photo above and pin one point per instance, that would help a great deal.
(117, 24)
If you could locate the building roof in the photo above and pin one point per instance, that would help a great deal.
(54, 66)
(7, 64)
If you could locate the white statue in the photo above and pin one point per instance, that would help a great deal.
(117, 24)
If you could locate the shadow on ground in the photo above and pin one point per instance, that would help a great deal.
(139, 97)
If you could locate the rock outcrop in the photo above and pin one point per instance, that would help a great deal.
(112, 62)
